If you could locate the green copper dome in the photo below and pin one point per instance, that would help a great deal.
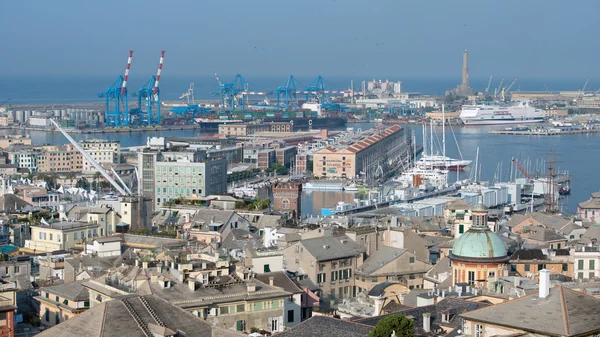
(479, 244)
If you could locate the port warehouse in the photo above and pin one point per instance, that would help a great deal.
(364, 155)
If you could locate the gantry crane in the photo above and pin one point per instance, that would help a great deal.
(286, 93)
(148, 110)
(487, 89)
(117, 104)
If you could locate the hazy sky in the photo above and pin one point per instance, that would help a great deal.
(546, 38)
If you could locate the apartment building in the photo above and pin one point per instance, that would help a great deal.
(63, 235)
(102, 151)
(586, 262)
(24, 156)
(329, 262)
(60, 302)
(60, 159)
(8, 307)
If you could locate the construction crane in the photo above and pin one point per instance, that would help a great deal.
(7, 102)
(148, 111)
(89, 158)
(117, 104)
(188, 96)
(584, 87)
(522, 170)
(286, 93)
(487, 89)
(498, 90)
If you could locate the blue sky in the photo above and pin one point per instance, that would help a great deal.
(528, 39)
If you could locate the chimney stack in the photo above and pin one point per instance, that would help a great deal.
(145, 265)
(251, 287)
(192, 284)
(426, 321)
(271, 279)
(544, 283)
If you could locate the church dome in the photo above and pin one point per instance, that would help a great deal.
(479, 244)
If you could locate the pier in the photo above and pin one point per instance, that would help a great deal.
(544, 132)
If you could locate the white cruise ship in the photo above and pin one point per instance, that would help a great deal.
(521, 113)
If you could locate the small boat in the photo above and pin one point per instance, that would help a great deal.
(351, 188)
(564, 190)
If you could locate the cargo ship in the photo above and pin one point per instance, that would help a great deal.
(496, 114)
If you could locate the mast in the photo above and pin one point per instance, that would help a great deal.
(431, 137)
(476, 163)
(444, 134)
(424, 140)
(160, 64)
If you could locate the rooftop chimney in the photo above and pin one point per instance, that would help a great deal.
(251, 287)
(426, 321)
(145, 265)
(192, 284)
(544, 283)
(517, 281)
(271, 279)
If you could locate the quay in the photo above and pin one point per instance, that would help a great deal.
(544, 132)
(111, 130)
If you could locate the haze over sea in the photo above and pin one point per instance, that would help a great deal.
(74, 89)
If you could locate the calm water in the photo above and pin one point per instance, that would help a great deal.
(64, 90)
(577, 154)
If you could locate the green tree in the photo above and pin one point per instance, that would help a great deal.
(83, 183)
(402, 326)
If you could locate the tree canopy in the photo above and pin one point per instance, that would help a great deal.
(402, 326)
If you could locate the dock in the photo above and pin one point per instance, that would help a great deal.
(544, 132)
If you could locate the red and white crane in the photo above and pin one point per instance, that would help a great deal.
(124, 87)
(160, 64)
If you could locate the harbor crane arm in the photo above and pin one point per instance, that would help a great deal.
(585, 86)
(91, 160)
(499, 89)
(487, 90)
(218, 79)
(522, 169)
(511, 85)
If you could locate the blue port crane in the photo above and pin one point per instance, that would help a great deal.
(235, 94)
(286, 93)
(117, 104)
(148, 110)
(315, 90)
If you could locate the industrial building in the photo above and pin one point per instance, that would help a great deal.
(366, 155)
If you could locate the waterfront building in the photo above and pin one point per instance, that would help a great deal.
(287, 198)
(286, 155)
(479, 256)
(367, 155)
(320, 259)
(102, 151)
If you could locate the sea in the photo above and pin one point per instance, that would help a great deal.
(576, 154)
(85, 89)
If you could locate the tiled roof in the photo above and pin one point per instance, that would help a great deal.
(319, 326)
(564, 312)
